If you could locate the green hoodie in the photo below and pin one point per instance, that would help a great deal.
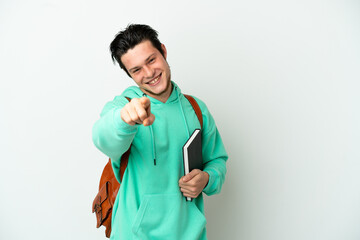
(149, 204)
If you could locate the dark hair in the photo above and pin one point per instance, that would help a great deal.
(129, 38)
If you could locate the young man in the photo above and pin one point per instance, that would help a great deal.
(156, 123)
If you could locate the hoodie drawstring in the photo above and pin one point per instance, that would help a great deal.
(182, 111)
(151, 128)
(153, 144)
(152, 140)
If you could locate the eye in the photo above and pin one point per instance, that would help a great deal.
(151, 60)
(136, 70)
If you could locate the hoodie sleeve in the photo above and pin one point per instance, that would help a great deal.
(111, 135)
(214, 153)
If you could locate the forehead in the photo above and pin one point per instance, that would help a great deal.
(137, 55)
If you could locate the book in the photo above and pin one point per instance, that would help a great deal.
(192, 154)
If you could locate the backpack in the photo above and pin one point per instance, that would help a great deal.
(109, 186)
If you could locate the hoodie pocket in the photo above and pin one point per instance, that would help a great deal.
(168, 216)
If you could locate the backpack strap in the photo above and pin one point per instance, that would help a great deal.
(124, 158)
(196, 108)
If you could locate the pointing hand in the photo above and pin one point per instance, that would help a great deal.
(138, 111)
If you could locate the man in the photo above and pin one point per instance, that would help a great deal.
(156, 123)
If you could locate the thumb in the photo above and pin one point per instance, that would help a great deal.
(190, 175)
(148, 121)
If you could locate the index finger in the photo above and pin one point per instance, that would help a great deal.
(145, 102)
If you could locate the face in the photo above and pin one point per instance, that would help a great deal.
(149, 69)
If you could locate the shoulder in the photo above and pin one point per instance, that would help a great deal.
(200, 102)
(121, 100)
(208, 120)
(130, 92)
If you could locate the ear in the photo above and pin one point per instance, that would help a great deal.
(164, 50)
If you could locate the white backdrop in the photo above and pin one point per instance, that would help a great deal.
(280, 77)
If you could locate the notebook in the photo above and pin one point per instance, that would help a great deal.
(192, 154)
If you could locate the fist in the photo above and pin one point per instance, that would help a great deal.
(192, 184)
(138, 111)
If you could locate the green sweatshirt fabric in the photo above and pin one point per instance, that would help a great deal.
(149, 204)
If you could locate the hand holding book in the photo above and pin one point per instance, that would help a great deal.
(192, 184)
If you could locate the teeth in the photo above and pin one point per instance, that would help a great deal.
(153, 81)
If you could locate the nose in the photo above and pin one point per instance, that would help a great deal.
(149, 73)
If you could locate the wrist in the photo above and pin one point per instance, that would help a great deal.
(207, 177)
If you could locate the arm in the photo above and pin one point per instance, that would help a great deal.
(214, 153)
(215, 156)
(115, 130)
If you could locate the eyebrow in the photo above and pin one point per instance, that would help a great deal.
(147, 59)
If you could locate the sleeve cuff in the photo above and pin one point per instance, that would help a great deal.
(211, 181)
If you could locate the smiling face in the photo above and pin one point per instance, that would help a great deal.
(149, 69)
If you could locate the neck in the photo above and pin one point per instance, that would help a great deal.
(162, 97)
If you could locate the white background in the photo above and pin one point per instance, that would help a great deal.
(280, 77)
